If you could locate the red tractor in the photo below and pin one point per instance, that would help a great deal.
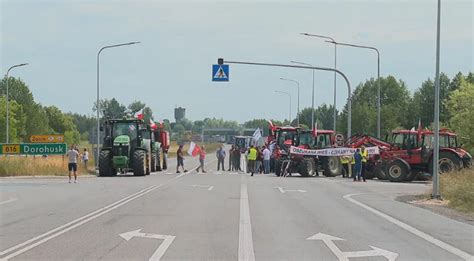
(161, 136)
(306, 166)
(410, 152)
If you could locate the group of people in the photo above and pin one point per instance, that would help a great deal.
(355, 165)
(74, 156)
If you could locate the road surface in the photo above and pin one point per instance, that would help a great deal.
(222, 216)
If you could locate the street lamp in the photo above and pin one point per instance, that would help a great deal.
(378, 76)
(8, 104)
(289, 107)
(297, 85)
(335, 67)
(312, 95)
(98, 103)
(436, 193)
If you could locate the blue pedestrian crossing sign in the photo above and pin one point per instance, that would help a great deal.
(220, 72)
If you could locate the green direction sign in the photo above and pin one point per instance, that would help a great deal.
(34, 148)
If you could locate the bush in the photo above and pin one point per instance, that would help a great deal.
(458, 188)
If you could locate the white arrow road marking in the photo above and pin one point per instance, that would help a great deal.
(432, 240)
(282, 190)
(160, 251)
(8, 201)
(203, 186)
(246, 251)
(344, 256)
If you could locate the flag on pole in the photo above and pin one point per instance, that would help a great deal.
(153, 125)
(315, 129)
(194, 149)
(420, 129)
(257, 135)
(139, 114)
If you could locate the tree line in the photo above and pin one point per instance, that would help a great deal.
(400, 109)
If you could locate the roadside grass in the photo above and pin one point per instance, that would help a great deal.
(458, 188)
(39, 166)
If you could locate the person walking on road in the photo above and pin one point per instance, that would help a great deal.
(220, 154)
(266, 160)
(85, 158)
(202, 157)
(365, 157)
(180, 158)
(73, 156)
(252, 157)
(358, 165)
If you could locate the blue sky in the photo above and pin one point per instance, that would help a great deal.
(182, 39)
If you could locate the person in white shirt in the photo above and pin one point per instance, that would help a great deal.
(85, 157)
(266, 160)
(73, 156)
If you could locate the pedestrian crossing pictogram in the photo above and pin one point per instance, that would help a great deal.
(220, 73)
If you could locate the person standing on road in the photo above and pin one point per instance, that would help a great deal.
(259, 160)
(231, 158)
(365, 157)
(345, 165)
(73, 156)
(220, 154)
(252, 157)
(85, 158)
(358, 165)
(266, 160)
(202, 157)
(236, 158)
(180, 158)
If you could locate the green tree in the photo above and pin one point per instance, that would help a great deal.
(323, 114)
(17, 121)
(147, 114)
(135, 107)
(111, 109)
(84, 123)
(460, 104)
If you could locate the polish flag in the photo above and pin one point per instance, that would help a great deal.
(315, 130)
(139, 115)
(153, 125)
(194, 149)
(420, 129)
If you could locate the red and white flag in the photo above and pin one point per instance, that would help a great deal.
(194, 149)
(315, 129)
(153, 125)
(139, 114)
(420, 129)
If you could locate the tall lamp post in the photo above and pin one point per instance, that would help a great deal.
(335, 67)
(298, 86)
(8, 104)
(289, 107)
(98, 103)
(436, 193)
(312, 95)
(378, 76)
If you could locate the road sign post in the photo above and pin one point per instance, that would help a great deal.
(33, 149)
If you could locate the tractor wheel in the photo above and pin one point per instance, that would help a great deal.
(139, 163)
(153, 162)
(307, 168)
(278, 164)
(396, 171)
(412, 175)
(381, 172)
(332, 166)
(447, 162)
(105, 164)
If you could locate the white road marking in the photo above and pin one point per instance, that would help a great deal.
(344, 256)
(76, 223)
(8, 201)
(209, 187)
(283, 191)
(246, 251)
(423, 235)
(160, 251)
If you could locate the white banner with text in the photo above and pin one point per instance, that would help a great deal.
(331, 151)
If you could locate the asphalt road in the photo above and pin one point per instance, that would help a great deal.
(222, 216)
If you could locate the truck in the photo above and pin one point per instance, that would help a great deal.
(126, 147)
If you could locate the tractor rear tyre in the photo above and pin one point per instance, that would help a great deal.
(139, 163)
(447, 162)
(278, 164)
(153, 162)
(396, 171)
(307, 168)
(105, 164)
(332, 166)
(381, 172)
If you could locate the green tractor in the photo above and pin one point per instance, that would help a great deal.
(127, 146)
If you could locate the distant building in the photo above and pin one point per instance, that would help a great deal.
(179, 114)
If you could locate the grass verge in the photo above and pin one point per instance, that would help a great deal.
(458, 188)
(39, 166)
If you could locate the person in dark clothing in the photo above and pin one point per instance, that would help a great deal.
(220, 154)
(358, 165)
(231, 158)
(180, 158)
(236, 158)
